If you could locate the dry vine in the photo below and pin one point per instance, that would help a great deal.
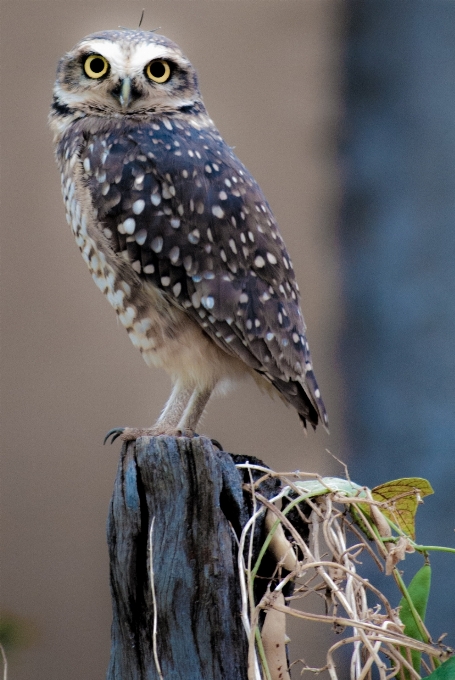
(331, 559)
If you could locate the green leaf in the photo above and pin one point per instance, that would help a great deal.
(402, 496)
(316, 487)
(418, 591)
(446, 671)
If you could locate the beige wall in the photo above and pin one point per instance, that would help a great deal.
(270, 76)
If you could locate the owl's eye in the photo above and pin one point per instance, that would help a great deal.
(96, 66)
(158, 70)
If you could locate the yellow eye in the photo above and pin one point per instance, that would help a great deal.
(96, 66)
(158, 70)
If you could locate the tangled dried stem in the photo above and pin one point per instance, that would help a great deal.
(327, 564)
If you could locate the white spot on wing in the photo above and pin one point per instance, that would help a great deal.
(157, 244)
(194, 236)
(141, 237)
(138, 206)
(129, 226)
(174, 254)
(208, 302)
(218, 211)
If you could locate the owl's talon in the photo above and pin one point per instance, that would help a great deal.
(216, 443)
(114, 433)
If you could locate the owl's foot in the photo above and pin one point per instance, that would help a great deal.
(128, 434)
(131, 433)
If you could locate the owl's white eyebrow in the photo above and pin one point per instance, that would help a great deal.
(129, 62)
(144, 53)
(111, 51)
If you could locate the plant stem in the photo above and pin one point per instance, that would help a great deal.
(262, 656)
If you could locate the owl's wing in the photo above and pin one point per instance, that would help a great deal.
(174, 199)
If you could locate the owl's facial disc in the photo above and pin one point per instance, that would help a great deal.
(141, 73)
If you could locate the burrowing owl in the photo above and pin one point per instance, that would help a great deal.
(174, 229)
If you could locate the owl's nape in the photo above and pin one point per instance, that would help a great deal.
(175, 231)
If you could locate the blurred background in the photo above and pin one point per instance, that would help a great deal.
(344, 113)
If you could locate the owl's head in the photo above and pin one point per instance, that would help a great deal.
(126, 72)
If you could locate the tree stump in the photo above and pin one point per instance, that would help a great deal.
(176, 616)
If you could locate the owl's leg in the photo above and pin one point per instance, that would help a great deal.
(180, 416)
(194, 409)
(175, 407)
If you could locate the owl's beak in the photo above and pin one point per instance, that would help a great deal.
(124, 93)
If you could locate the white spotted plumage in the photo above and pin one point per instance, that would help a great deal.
(176, 232)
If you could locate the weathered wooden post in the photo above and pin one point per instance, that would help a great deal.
(176, 598)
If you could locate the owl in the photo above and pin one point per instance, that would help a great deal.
(175, 231)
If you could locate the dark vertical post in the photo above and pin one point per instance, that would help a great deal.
(183, 621)
(398, 235)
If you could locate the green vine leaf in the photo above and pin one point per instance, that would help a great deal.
(418, 591)
(316, 487)
(445, 672)
(401, 498)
